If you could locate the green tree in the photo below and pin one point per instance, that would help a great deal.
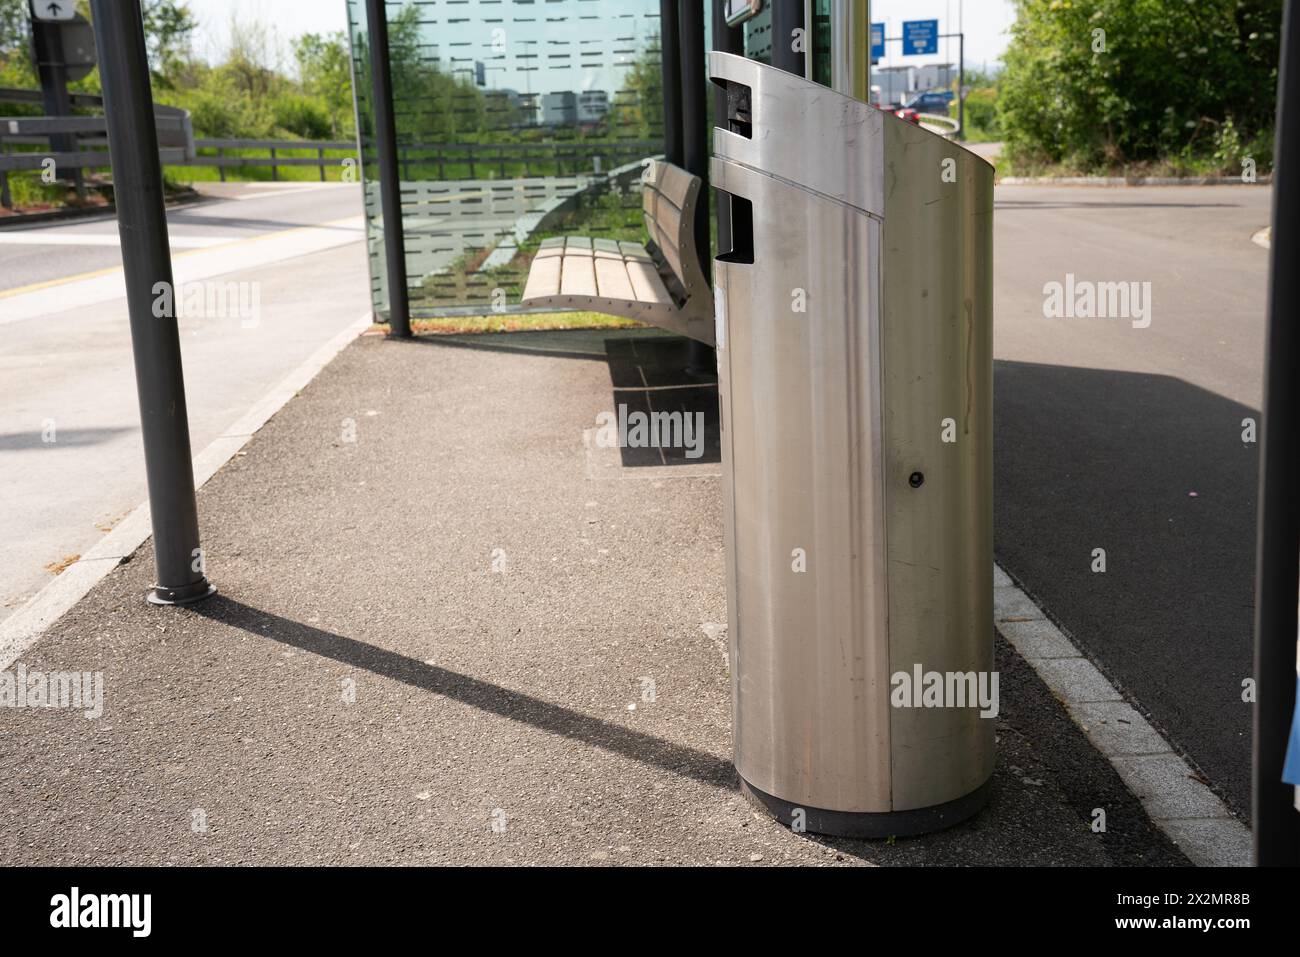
(15, 45)
(1103, 83)
(168, 29)
(639, 104)
(325, 71)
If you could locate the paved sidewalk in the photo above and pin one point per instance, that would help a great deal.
(438, 606)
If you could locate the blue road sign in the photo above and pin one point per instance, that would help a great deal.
(920, 37)
(877, 40)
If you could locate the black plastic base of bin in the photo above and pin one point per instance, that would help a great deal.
(863, 824)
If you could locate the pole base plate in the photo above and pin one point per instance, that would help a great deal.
(188, 595)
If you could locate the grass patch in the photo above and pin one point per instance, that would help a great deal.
(532, 322)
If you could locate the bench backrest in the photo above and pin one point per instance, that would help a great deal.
(668, 198)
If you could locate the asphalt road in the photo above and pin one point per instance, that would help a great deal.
(71, 462)
(1130, 440)
(235, 211)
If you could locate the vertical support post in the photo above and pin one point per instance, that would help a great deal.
(961, 86)
(320, 155)
(275, 170)
(381, 102)
(695, 154)
(1276, 820)
(850, 48)
(6, 199)
(47, 42)
(146, 263)
(695, 119)
(787, 17)
(670, 54)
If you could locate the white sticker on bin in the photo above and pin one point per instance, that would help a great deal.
(720, 316)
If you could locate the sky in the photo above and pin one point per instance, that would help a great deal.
(984, 21)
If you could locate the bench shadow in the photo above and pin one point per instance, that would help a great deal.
(649, 371)
(652, 376)
(484, 695)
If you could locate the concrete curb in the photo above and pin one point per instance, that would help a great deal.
(1173, 794)
(1131, 181)
(21, 630)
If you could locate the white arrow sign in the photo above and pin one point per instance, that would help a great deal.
(53, 10)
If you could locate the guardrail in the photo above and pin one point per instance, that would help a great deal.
(178, 147)
(89, 134)
(937, 123)
(274, 158)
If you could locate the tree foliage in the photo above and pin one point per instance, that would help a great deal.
(1104, 83)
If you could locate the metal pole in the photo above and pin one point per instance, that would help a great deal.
(1276, 820)
(670, 55)
(695, 149)
(728, 40)
(787, 17)
(390, 188)
(851, 48)
(146, 263)
(961, 86)
(695, 119)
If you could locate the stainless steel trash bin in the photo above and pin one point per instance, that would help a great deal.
(854, 336)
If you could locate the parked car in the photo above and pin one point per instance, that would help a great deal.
(932, 101)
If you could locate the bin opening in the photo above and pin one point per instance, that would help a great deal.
(740, 119)
(742, 228)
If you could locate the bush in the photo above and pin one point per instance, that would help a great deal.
(1103, 83)
(303, 116)
(982, 114)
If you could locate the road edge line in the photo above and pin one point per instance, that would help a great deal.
(21, 630)
(1171, 792)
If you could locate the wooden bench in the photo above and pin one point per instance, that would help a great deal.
(660, 283)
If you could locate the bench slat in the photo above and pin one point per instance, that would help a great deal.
(543, 277)
(646, 282)
(613, 281)
(578, 276)
(668, 248)
(674, 183)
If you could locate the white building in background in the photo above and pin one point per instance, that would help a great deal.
(560, 109)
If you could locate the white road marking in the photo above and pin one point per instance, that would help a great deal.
(1171, 792)
(45, 299)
